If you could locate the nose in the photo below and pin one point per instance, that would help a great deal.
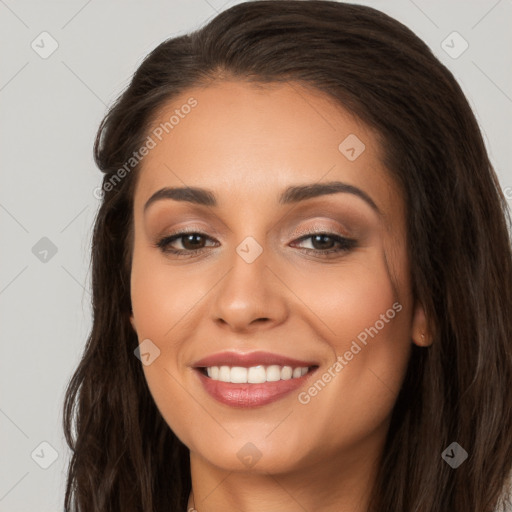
(250, 296)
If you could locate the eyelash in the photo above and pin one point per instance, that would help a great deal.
(346, 244)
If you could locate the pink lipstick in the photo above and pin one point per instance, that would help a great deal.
(251, 379)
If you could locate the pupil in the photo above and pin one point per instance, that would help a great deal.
(322, 239)
(190, 239)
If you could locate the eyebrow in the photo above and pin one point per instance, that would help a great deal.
(292, 194)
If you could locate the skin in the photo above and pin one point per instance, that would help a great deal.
(247, 144)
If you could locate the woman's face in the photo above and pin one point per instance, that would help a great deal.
(321, 279)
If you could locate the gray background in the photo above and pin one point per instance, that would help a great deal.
(51, 108)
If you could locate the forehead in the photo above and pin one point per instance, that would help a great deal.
(251, 141)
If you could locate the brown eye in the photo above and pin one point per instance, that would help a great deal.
(193, 243)
(325, 243)
(322, 242)
(190, 243)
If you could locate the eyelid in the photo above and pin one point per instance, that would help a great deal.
(296, 234)
(208, 231)
(307, 230)
(346, 244)
(312, 227)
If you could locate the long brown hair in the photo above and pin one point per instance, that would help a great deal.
(124, 455)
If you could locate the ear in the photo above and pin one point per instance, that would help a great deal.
(419, 332)
(132, 321)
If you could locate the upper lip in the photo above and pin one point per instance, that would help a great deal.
(248, 359)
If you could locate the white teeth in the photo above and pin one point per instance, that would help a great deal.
(224, 374)
(273, 373)
(255, 374)
(238, 374)
(287, 372)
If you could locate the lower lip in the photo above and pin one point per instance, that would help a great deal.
(250, 395)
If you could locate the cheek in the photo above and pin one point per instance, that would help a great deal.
(368, 330)
(164, 296)
(163, 300)
(166, 300)
(348, 299)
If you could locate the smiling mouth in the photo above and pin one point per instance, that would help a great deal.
(255, 374)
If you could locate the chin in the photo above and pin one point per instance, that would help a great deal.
(254, 454)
